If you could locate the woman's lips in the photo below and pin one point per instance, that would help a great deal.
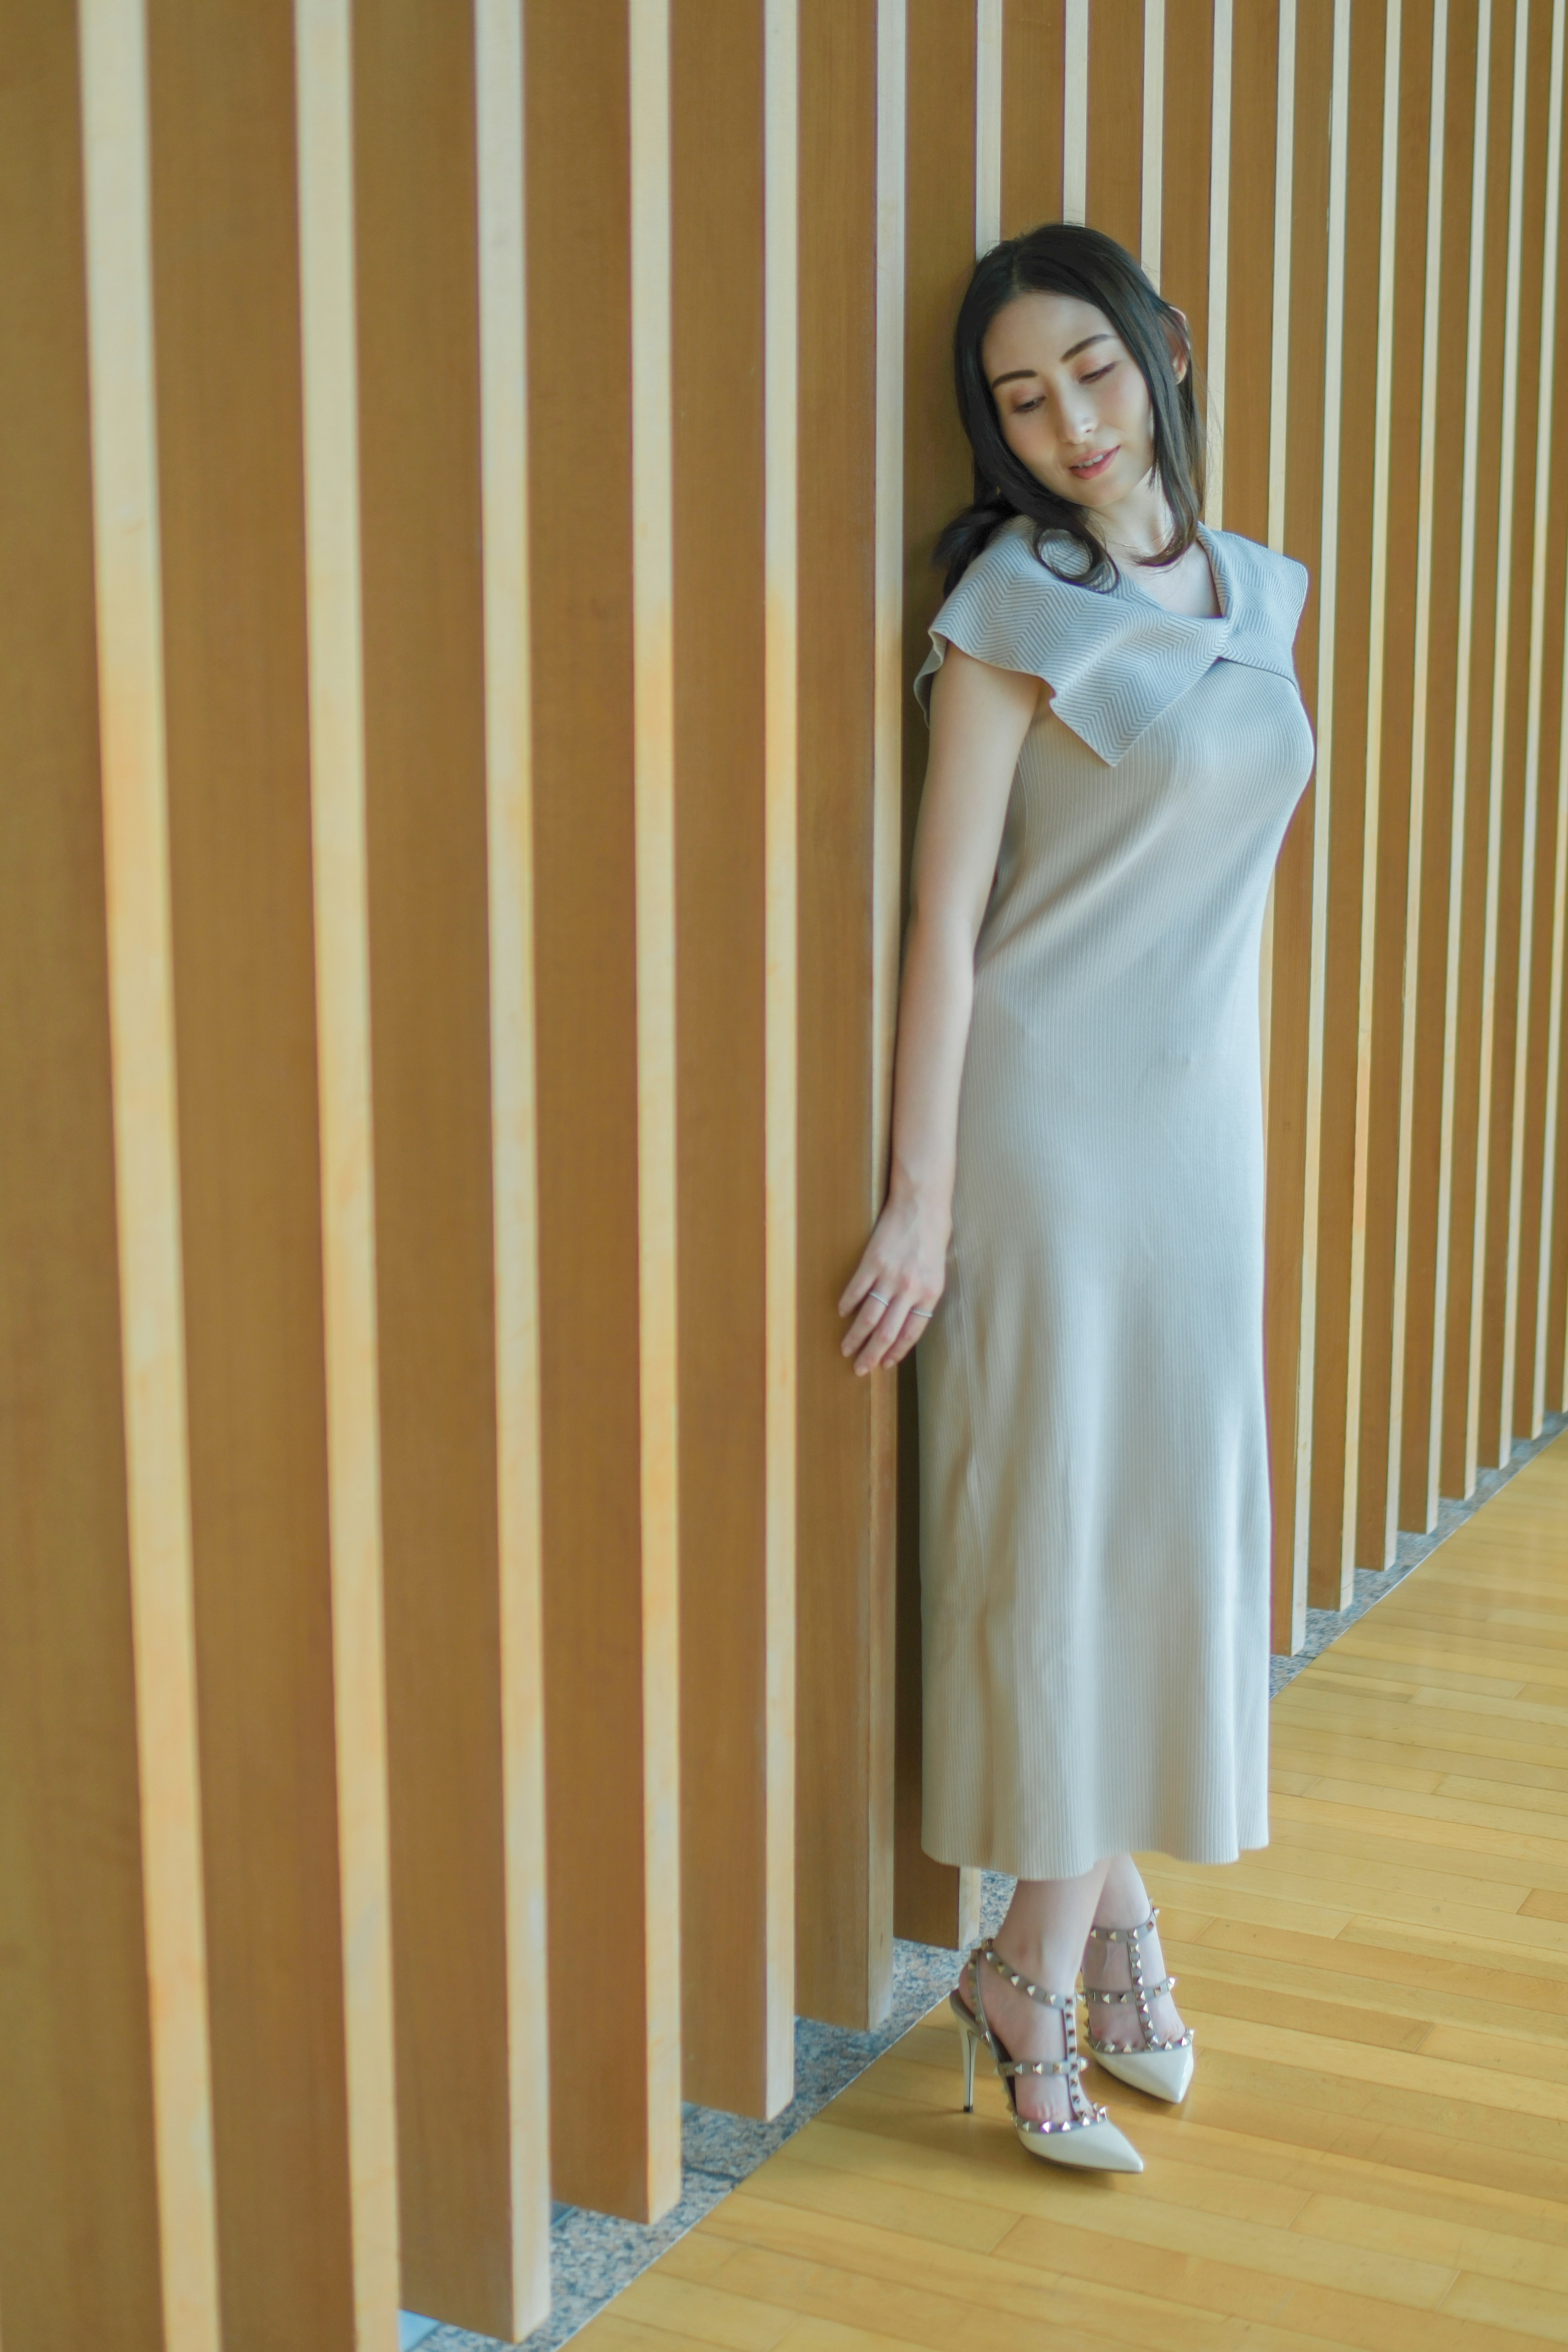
(1088, 467)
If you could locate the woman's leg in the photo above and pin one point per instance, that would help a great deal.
(1042, 1938)
(1123, 1902)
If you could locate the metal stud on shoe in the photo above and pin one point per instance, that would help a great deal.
(1086, 2136)
(1163, 2068)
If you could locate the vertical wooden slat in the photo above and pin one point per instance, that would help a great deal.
(503, 398)
(1114, 160)
(1551, 1286)
(1517, 727)
(598, 528)
(1536, 1080)
(935, 1903)
(1249, 271)
(1218, 110)
(427, 829)
(781, 1012)
(1184, 146)
(1446, 437)
(988, 67)
(1152, 161)
(733, 96)
(1032, 63)
(851, 690)
(1313, 84)
(1074, 109)
(79, 2215)
(1355, 573)
(1512, 786)
(1473, 915)
(225, 253)
(147, 1148)
(329, 373)
(1412, 258)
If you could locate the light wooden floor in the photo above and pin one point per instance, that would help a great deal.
(1374, 2152)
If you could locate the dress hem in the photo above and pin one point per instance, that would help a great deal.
(1208, 1856)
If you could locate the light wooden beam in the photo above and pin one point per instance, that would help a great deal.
(514, 1118)
(1413, 256)
(734, 109)
(1031, 98)
(936, 1903)
(1472, 929)
(1314, 89)
(1447, 442)
(850, 734)
(429, 823)
(1114, 143)
(1513, 781)
(596, 75)
(80, 2140)
(244, 1208)
(1361, 574)
(1542, 981)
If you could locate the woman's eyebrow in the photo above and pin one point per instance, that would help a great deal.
(1013, 375)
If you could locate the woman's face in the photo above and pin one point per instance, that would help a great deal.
(1071, 399)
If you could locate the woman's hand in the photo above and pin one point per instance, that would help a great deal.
(893, 1291)
(979, 716)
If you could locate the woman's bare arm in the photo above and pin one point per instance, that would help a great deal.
(979, 716)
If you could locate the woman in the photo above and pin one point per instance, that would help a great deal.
(1074, 1216)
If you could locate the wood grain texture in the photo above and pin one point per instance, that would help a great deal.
(1187, 135)
(1536, 1076)
(1032, 59)
(514, 1118)
(1370, 2154)
(739, 2052)
(1516, 777)
(1115, 120)
(1300, 880)
(1486, 356)
(227, 293)
(609, 1593)
(79, 2218)
(845, 1428)
(934, 1903)
(1443, 831)
(427, 825)
(1402, 804)
(1249, 268)
(1359, 583)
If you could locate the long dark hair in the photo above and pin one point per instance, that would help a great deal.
(1065, 257)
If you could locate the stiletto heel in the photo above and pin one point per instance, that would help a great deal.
(1163, 2069)
(1087, 2138)
(970, 2042)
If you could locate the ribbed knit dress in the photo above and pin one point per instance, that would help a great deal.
(1094, 1475)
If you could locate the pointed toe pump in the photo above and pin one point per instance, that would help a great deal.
(1163, 2069)
(1086, 2136)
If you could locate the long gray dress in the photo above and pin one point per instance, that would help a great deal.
(1095, 1529)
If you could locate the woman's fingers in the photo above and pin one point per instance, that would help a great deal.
(896, 1331)
(872, 1310)
(865, 1279)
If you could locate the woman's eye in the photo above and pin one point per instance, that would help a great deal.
(1023, 407)
(1098, 372)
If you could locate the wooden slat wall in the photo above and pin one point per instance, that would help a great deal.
(850, 296)
(465, 531)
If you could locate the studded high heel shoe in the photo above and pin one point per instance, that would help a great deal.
(1163, 2069)
(1087, 2136)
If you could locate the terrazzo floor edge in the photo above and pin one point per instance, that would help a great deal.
(594, 2255)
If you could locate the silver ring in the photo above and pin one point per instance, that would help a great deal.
(879, 1297)
(927, 1311)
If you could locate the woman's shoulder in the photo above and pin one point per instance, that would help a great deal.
(1267, 575)
(1021, 572)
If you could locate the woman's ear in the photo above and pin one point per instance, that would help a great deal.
(1180, 344)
